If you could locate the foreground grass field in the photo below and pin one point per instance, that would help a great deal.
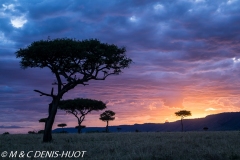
(133, 146)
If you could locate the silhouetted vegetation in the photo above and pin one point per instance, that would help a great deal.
(31, 132)
(40, 131)
(72, 62)
(43, 120)
(80, 107)
(80, 128)
(182, 114)
(6, 133)
(133, 146)
(119, 129)
(62, 125)
(205, 128)
(106, 117)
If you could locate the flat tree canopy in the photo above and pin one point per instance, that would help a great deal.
(183, 113)
(107, 116)
(68, 57)
(42, 120)
(81, 105)
(72, 62)
(62, 125)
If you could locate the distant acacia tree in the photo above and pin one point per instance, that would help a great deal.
(80, 107)
(40, 132)
(80, 128)
(119, 129)
(182, 114)
(62, 125)
(43, 120)
(107, 116)
(31, 132)
(72, 62)
(205, 128)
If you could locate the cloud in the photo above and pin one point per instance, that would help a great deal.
(10, 127)
(12, 12)
(8, 7)
(18, 22)
(210, 109)
(6, 89)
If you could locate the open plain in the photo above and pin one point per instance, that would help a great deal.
(133, 146)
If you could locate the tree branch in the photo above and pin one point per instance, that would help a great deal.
(52, 92)
(72, 112)
(104, 77)
(59, 81)
(81, 118)
(44, 94)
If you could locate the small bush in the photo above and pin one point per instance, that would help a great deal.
(41, 132)
(205, 128)
(31, 132)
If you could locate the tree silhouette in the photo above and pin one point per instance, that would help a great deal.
(40, 132)
(107, 116)
(182, 114)
(31, 132)
(80, 128)
(43, 120)
(62, 125)
(72, 62)
(205, 128)
(119, 129)
(80, 107)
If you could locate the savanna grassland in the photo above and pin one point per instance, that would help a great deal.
(133, 146)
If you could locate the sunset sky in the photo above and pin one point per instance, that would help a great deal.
(186, 55)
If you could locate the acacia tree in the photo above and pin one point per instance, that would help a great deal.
(182, 114)
(43, 120)
(62, 125)
(119, 129)
(72, 62)
(80, 128)
(205, 128)
(107, 116)
(80, 107)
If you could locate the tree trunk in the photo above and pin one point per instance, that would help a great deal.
(79, 127)
(107, 127)
(182, 124)
(52, 111)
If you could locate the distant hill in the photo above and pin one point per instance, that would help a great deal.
(217, 122)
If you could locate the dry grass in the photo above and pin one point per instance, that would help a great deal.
(134, 146)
